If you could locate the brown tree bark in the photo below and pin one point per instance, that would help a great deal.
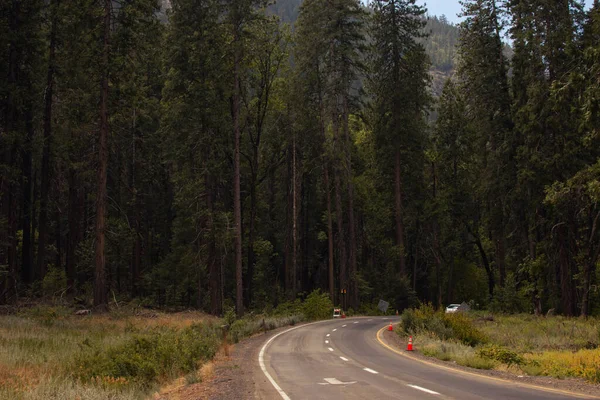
(399, 212)
(7, 198)
(45, 170)
(100, 290)
(590, 265)
(352, 271)
(237, 206)
(74, 235)
(329, 235)
(294, 269)
(214, 267)
(26, 178)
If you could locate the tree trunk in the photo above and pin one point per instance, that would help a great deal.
(8, 234)
(329, 234)
(294, 269)
(74, 229)
(45, 170)
(590, 266)
(399, 220)
(251, 229)
(237, 206)
(214, 270)
(566, 276)
(353, 284)
(26, 155)
(100, 293)
(487, 266)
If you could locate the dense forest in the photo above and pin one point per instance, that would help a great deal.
(219, 153)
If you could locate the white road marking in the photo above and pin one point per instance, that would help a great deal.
(370, 319)
(327, 341)
(333, 381)
(334, 330)
(329, 334)
(356, 322)
(330, 349)
(344, 358)
(343, 326)
(370, 370)
(422, 389)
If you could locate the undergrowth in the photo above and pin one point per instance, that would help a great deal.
(551, 346)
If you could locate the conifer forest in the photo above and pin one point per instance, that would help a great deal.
(238, 154)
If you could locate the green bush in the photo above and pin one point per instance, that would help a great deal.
(288, 308)
(144, 359)
(501, 354)
(317, 306)
(462, 329)
(444, 326)
(54, 281)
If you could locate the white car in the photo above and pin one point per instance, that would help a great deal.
(452, 308)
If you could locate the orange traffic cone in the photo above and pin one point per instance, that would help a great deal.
(409, 347)
(390, 328)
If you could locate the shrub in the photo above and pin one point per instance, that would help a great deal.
(501, 354)
(54, 281)
(476, 362)
(317, 306)
(288, 308)
(144, 359)
(444, 326)
(463, 329)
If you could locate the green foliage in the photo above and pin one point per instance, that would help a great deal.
(144, 359)
(444, 326)
(317, 305)
(501, 354)
(288, 308)
(54, 282)
(509, 299)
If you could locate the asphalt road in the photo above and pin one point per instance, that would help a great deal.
(343, 359)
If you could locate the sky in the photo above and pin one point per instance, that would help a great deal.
(451, 7)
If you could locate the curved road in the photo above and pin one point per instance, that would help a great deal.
(343, 359)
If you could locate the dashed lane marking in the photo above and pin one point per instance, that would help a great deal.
(330, 349)
(344, 358)
(422, 389)
(370, 370)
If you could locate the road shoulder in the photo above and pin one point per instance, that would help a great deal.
(574, 387)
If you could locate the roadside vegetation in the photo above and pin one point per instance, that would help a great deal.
(524, 344)
(47, 352)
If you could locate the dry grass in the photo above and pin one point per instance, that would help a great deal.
(528, 333)
(553, 346)
(38, 346)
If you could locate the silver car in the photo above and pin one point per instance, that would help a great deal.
(452, 308)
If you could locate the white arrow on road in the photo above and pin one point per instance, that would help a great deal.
(333, 381)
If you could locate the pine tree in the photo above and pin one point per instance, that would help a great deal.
(399, 85)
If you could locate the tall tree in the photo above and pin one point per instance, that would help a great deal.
(399, 61)
(100, 289)
(483, 73)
